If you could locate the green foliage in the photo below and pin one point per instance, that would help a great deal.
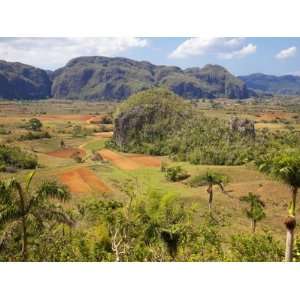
(206, 243)
(176, 173)
(296, 254)
(25, 212)
(158, 122)
(256, 210)
(15, 157)
(34, 136)
(255, 248)
(78, 131)
(3, 130)
(34, 124)
(284, 165)
(144, 122)
(209, 177)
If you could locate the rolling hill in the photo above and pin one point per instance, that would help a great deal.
(20, 81)
(283, 85)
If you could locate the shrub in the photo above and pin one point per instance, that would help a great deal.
(14, 157)
(255, 248)
(77, 158)
(106, 120)
(78, 131)
(34, 124)
(3, 130)
(176, 174)
(34, 136)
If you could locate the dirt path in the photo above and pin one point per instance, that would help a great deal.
(94, 119)
(67, 152)
(83, 118)
(107, 134)
(130, 162)
(83, 180)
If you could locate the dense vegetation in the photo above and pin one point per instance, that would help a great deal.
(183, 213)
(158, 122)
(154, 226)
(13, 157)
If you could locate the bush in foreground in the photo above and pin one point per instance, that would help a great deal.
(15, 157)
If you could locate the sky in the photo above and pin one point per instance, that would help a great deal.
(241, 56)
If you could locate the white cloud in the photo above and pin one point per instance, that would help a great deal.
(244, 51)
(56, 52)
(286, 53)
(226, 48)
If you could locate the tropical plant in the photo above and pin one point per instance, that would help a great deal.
(285, 166)
(256, 211)
(210, 179)
(20, 206)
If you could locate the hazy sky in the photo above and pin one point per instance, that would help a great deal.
(239, 55)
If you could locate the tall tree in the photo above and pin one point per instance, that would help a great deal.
(211, 179)
(18, 205)
(256, 211)
(285, 166)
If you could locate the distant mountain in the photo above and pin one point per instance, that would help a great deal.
(106, 78)
(20, 81)
(284, 85)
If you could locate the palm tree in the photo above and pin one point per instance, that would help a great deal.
(18, 204)
(285, 166)
(212, 179)
(256, 211)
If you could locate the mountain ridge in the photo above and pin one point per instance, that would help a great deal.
(19, 81)
(99, 77)
(265, 83)
(116, 78)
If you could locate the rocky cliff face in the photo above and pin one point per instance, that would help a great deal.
(106, 78)
(20, 81)
(103, 78)
(149, 116)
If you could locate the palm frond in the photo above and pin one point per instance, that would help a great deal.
(51, 189)
(10, 213)
(5, 193)
(54, 213)
(29, 179)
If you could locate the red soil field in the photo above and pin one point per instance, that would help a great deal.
(83, 180)
(65, 117)
(130, 162)
(146, 160)
(272, 116)
(67, 153)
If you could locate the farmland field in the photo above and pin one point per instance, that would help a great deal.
(76, 156)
